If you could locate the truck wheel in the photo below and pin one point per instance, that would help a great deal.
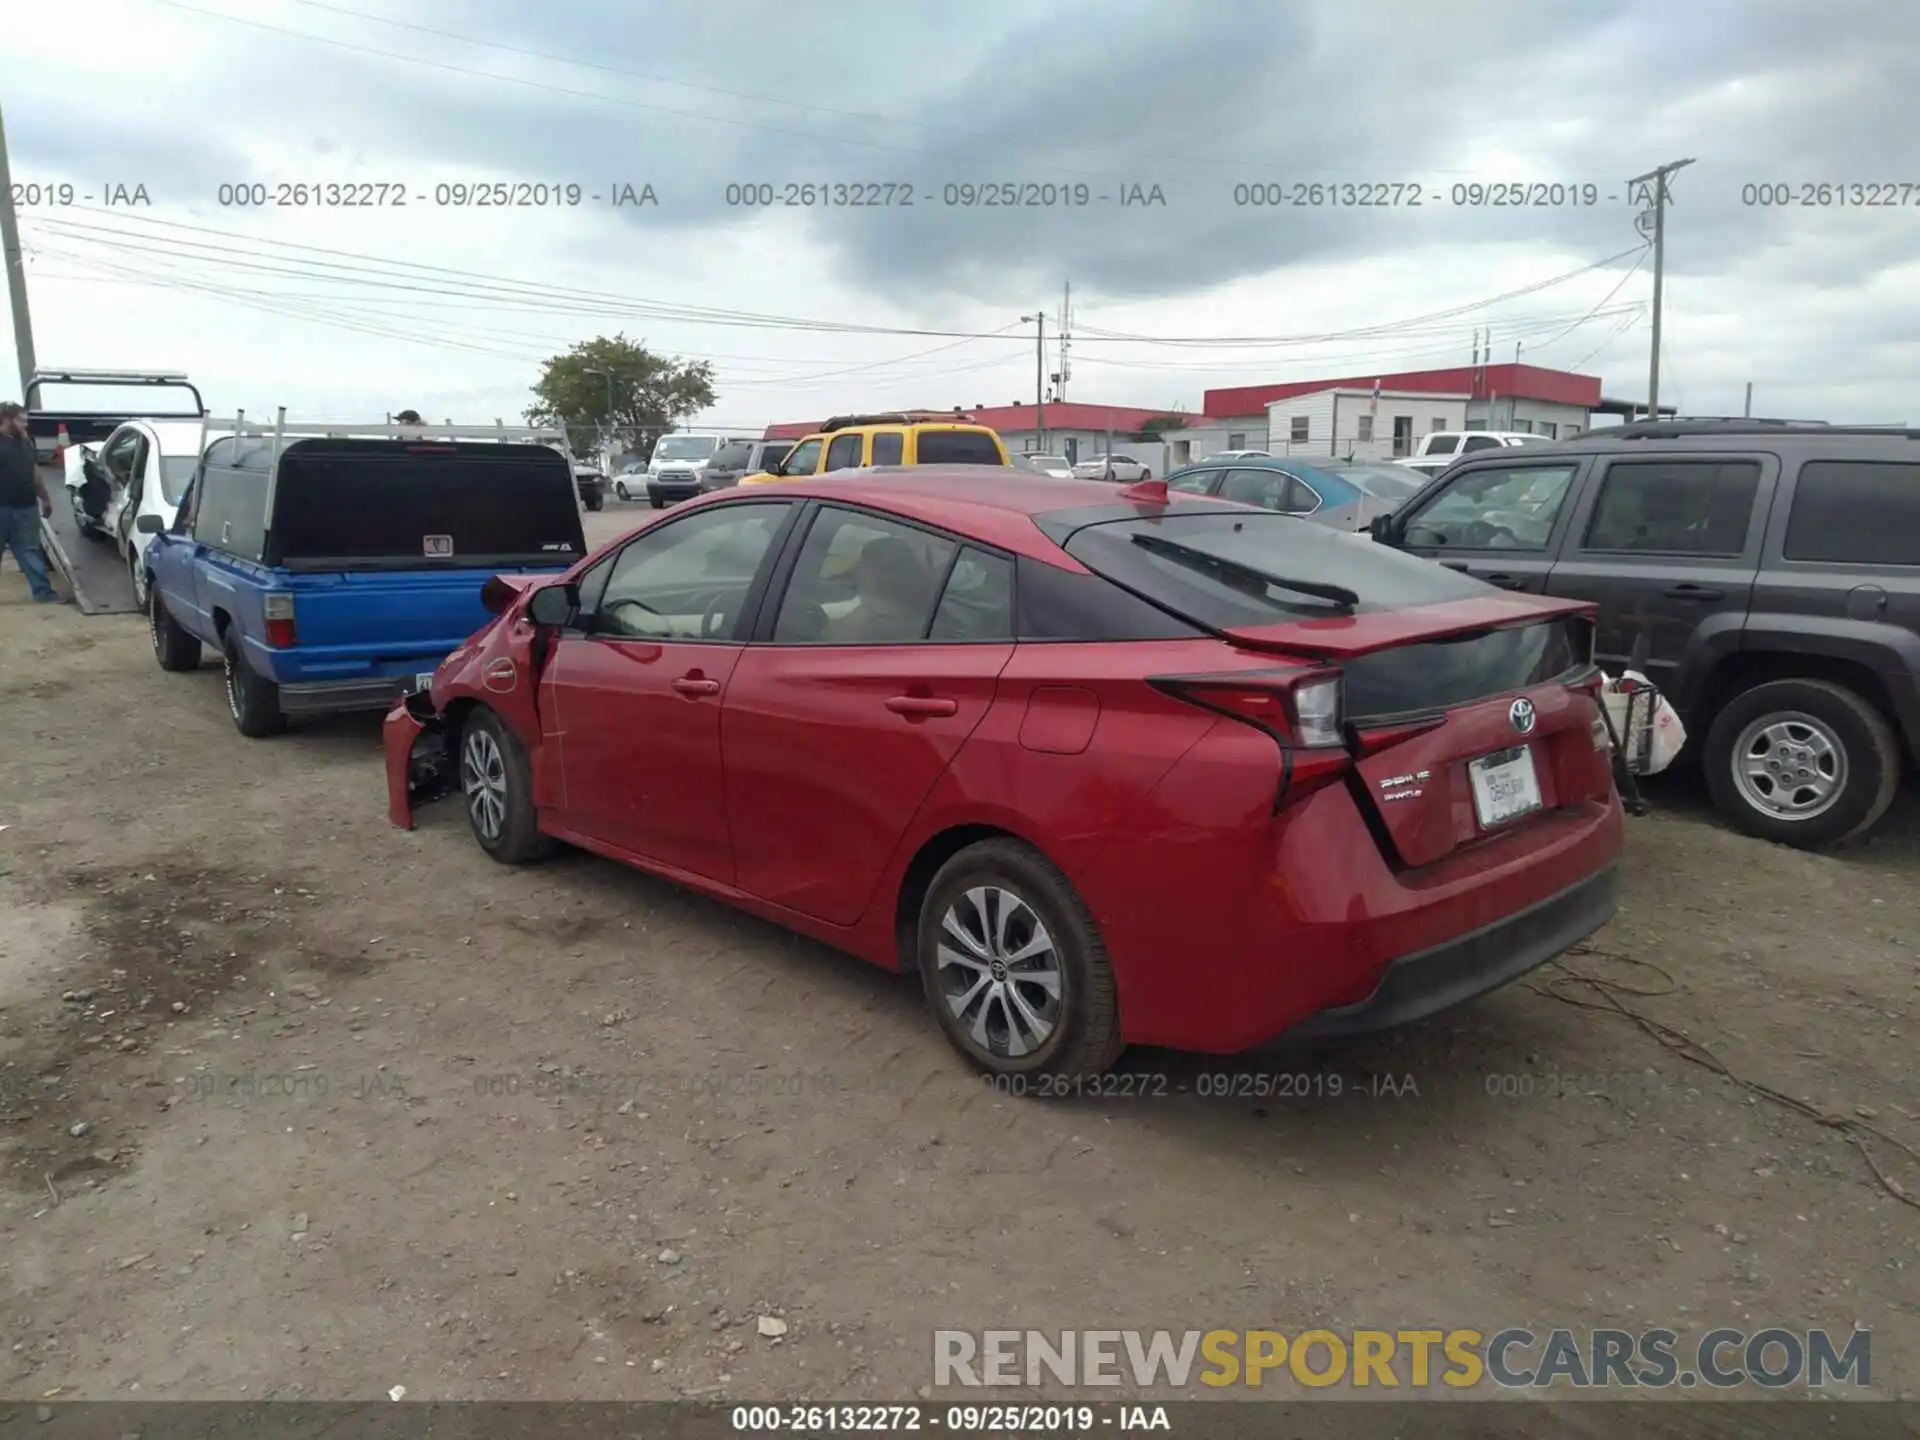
(496, 780)
(620, 489)
(1014, 968)
(657, 502)
(1804, 762)
(253, 699)
(173, 647)
(595, 503)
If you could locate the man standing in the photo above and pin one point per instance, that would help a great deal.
(23, 501)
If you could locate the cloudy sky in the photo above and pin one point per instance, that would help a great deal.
(202, 105)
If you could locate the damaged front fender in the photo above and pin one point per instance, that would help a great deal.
(420, 769)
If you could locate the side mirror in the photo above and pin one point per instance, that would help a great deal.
(150, 525)
(554, 605)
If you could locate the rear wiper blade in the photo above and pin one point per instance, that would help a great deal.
(1225, 569)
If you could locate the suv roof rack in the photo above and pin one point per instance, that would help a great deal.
(284, 429)
(1733, 425)
(898, 417)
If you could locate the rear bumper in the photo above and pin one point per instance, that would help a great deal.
(1429, 981)
(310, 697)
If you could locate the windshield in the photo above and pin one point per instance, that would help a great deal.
(175, 472)
(1277, 545)
(1382, 482)
(685, 447)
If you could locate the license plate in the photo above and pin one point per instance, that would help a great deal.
(1504, 786)
(423, 680)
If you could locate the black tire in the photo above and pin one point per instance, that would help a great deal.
(1868, 752)
(657, 502)
(595, 503)
(173, 647)
(515, 838)
(620, 489)
(252, 699)
(1085, 1037)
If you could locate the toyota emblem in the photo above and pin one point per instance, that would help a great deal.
(1521, 714)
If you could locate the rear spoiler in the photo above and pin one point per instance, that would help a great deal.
(1347, 637)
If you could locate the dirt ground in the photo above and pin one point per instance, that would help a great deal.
(296, 1105)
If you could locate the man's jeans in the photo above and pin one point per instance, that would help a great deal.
(20, 533)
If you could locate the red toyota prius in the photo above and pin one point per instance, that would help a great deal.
(1104, 767)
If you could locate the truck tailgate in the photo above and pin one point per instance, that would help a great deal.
(375, 622)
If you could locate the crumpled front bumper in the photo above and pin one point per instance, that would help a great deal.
(420, 768)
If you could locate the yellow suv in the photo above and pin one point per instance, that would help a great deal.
(848, 442)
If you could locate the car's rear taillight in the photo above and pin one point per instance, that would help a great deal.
(278, 610)
(1302, 710)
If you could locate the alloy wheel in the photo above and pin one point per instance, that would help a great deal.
(483, 779)
(1790, 765)
(1000, 972)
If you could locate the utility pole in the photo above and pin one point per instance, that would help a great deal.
(1066, 342)
(1660, 191)
(16, 270)
(1039, 318)
(1748, 412)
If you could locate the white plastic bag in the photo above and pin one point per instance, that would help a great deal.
(1650, 744)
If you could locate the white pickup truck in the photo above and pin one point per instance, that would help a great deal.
(1440, 449)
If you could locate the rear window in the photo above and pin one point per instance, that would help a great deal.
(956, 447)
(1855, 512)
(1442, 444)
(731, 456)
(381, 505)
(1444, 674)
(1279, 546)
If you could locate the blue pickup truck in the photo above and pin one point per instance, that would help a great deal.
(334, 574)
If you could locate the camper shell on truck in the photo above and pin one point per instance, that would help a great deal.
(334, 568)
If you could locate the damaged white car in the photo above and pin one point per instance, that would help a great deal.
(142, 468)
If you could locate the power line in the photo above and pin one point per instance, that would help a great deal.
(1365, 331)
(1631, 271)
(393, 274)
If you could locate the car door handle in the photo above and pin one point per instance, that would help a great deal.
(922, 705)
(1506, 582)
(1693, 592)
(694, 685)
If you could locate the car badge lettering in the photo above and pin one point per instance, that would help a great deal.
(1521, 715)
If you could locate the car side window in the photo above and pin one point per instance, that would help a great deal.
(688, 579)
(888, 447)
(1480, 442)
(183, 514)
(1855, 512)
(977, 604)
(1443, 444)
(1265, 488)
(844, 453)
(117, 457)
(802, 458)
(1195, 482)
(1302, 498)
(862, 580)
(1508, 507)
(1675, 507)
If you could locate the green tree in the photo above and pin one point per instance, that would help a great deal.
(613, 385)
